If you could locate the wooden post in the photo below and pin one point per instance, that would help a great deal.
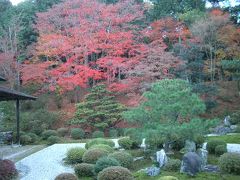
(18, 122)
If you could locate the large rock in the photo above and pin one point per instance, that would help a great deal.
(190, 146)
(203, 154)
(152, 171)
(222, 130)
(191, 164)
(227, 121)
(161, 158)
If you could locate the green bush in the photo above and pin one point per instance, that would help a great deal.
(124, 158)
(97, 134)
(199, 140)
(66, 176)
(33, 136)
(235, 118)
(53, 140)
(212, 144)
(220, 150)
(230, 163)
(25, 139)
(84, 170)
(113, 133)
(173, 165)
(115, 173)
(125, 143)
(8, 170)
(105, 162)
(74, 155)
(77, 133)
(46, 134)
(168, 178)
(102, 146)
(92, 155)
(237, 130)
(62, 131)
(99, 141)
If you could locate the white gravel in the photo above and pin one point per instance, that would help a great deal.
(47, 163)
(230, 147)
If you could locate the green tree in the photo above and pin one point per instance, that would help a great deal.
(99, 110)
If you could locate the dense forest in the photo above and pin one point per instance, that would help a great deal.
(62, 50)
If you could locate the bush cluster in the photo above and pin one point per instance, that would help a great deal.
(7, 170)
(105, 162)
(115, 173)
(99, 141)
(125, 159)
(220, 150)
(33, 136)
(113, 133)
(212, 144)
(46, 134)
(66, 176)
(235, 118)
(25, 139)
(77, 133)
(102, 146)
(230, 163)
(92, 155)
(97, 134)
(74, 155)
(125, 143)
(62, 132)
(53, 140)
(84, 170)
(173, 165)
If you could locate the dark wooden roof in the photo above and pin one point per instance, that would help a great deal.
(10, 94)
(2, 78)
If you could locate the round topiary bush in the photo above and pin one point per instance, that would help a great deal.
(220, 150)
(115, 173)
(173, 165)
(84, 170)
(113, 133)
(125, 143)
(62, 132)
(97, 134)
(74, 155)
(124, 158)
(199, 140)
(33, 136)
(66, 176)
(105, 162)
(230, 163)
(25, 139)
(53, 140)
(77, 133)
(168, 178)
(102, 146)
(99, 141)
(92, 155)
(46, 134)
(212, 144)
(7, 170)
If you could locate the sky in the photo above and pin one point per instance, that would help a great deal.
(15, 2)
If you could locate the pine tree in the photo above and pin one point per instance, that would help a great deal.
(99, 110)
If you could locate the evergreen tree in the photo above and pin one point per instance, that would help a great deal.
(99, 110)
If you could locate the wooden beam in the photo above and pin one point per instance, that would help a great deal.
(18, 121)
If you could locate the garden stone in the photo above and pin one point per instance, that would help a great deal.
(161, 158)
(143, 145)
(203, 154)
(211, 168)
(227, 121)
(233, 127)
(153, 171)
(222, 130)
(190, 146)
(191, 164)
(138, 158)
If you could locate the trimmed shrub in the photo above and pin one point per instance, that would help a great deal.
(25, 139)
(7, 170)
(105, 162)
(33, 136)
(237, 130)
(97, 134)
(66, 176)
(168, 178)
(102, 146)
(46, 134)
(53, 140)
(84, 170)
(99, 141)
(62, 131)
(74, 155)
(235, 118)
(220, 150)
(199, 140)
(124, 158)
(230, 163)
(115, 173)
(125, 143)
(173, 165)
(113, 133)
(92, 155)
(77, 133)
(212, 144)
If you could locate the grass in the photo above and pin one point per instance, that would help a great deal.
(235, 138)
(212, 159)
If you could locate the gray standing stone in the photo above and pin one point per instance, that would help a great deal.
(190, 146)
(203, 154)
(227, 121)
(161, 158)
(191, 164)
